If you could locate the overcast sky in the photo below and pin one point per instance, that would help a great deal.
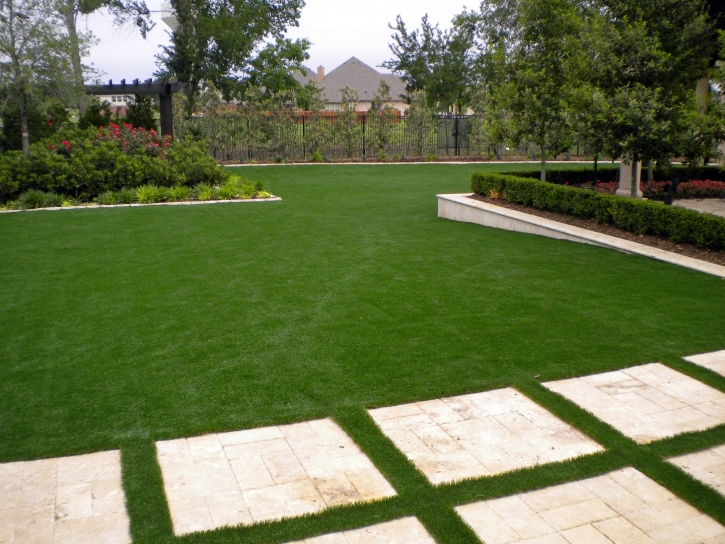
(338, 30)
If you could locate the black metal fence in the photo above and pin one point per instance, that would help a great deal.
(235, 137)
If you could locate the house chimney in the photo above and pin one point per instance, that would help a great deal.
(320, 74)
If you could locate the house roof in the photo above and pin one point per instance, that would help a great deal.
(357, 75)
(304, 77)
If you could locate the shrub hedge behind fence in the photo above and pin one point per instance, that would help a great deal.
(235, 137)
(640, 217)
(607, 173)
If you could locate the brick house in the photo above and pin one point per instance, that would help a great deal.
(357, 75)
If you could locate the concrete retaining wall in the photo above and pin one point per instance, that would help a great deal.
(458, 207)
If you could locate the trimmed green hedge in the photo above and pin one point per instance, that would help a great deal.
(638, 216)
(607, 172)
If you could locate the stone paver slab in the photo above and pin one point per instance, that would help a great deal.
(74, 500)
(647, 402)
(621, 507)
(480, 434)
(399, 531)
(708, 466)
(245, 477)
(715, 361)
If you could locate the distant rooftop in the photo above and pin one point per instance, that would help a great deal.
(355, 74)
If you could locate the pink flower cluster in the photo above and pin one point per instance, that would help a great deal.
(129, 139)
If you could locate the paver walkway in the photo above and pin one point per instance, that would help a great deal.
(65, 500)
(708, 466)
(263, 474)
(715, 361)
(647, 402)
(715, 206)
(400, 531)
(480, 434)
(622, 507)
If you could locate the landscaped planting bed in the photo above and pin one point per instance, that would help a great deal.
(170, 325)
(637, 216)
(234, 188)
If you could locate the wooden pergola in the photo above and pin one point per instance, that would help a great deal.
(165, 89)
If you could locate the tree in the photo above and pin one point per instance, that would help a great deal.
(646, 77)
(347, 125)
(541, 73)
(124, 11)
(215, 42)
(380, 119)
(141, 112)
(435, 61)
(318, 131)
(421, 126)
(34, 59)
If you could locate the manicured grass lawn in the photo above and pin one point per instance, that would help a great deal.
(119, 327)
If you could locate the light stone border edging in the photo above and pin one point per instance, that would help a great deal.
(138, 205)
(458, 207)
(397, 163)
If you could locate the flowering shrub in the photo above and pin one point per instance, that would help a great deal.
(657, 189)
(87, 163)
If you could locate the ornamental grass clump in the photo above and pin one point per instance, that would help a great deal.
(31, 200)
(126, 196)
(179, 193)
(107, 199)
(147, 194)
(204, 191)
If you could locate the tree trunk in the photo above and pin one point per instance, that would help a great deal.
(596, 177)
(543, 162)
(24, 127)
(650, 171)
(69, 15)
(635, 178)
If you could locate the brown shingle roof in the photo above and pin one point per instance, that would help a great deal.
(357, 75)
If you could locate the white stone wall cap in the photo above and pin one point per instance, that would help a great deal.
(588, 236)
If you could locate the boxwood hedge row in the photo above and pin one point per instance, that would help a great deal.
(608, 172)
(638, 216)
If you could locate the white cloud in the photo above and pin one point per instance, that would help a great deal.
(338, 30)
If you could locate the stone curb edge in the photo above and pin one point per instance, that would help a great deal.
(240, 165)
(553, 229)
(137, 205)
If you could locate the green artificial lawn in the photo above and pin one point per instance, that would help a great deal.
(123, 326)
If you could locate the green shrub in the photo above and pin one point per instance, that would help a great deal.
(106, 199)
(90, 162)
(229, 190)
(204, 191)
(639, 216)
(317, 157)
(31, 200)
(126, 196)
(53, 200)
(179, 193)
(147, 194)
(248, 191)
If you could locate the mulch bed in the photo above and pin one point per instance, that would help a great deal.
(716, 257)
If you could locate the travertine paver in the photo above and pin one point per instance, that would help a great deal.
(715, 361)
(65, 500)
(621, 507)
(647, 402)
(400, 531)
(708, 466)
(479, 434)
(244, 477)
(715, 206)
